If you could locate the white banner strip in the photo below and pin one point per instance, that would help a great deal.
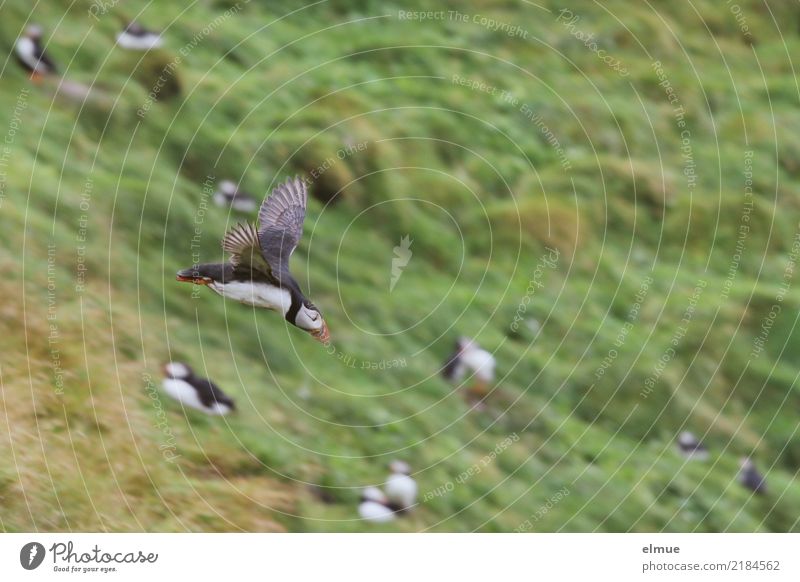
(400, 557)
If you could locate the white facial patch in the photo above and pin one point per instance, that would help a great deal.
(176, 370)
(308, 319)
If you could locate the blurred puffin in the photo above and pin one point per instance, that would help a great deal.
(181, 384)
(257, 273)
(229, 194)
(750, 477)
(31, 55)
(374, 506)
(401, 489)
(136, 37)
(468, 356)
(690, 447)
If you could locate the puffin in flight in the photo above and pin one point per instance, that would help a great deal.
(257, 274)
(181, 383)
(229, 194)
(136, 37)
(31, 55)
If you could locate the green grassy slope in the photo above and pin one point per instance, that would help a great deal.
(474, 177)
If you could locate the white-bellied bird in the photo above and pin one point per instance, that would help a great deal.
(181, 383)
(374, 506)
(137, 38)
(401, 489)
(470, 357)
(257, 272)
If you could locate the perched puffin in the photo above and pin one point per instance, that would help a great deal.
(374, 506)
(138, 38)
(181, 384)
(691, 448)
(257, 273)
(31, 55)
(401, 489)
(468, 356)
(750, 477)
(229, 194)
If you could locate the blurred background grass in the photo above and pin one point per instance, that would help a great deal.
(276, 89)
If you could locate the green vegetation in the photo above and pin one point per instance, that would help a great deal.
(574, 156)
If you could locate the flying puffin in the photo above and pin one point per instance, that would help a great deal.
(136, 37)
(374, 506)
(181, 384)
(750, 478)
(690, 447)
(468, 356)
(401, 489)
(31, 55)
(229, 194)
(257, 273)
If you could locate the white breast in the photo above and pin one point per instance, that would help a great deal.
(375, 512)
(264, 296)
(26, 50)
(480, 362)
(401, 490)
(138, 43)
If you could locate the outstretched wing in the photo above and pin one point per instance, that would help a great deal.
(280, 222)
(243, 244)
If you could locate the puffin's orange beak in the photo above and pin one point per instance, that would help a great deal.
(195, 280)
(322, 334)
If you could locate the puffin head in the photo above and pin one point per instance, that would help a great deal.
(177, 370)
(201, 274)
(34, 32)
(400, 467)
(310, 319)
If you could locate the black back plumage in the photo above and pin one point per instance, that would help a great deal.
(209, 393)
